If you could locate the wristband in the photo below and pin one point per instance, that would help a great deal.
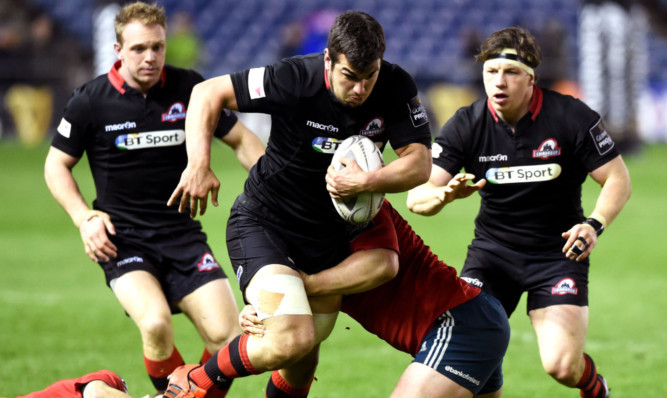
(597, 225)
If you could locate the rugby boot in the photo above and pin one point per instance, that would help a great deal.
(181, 386)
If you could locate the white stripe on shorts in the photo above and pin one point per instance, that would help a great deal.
(441, 342)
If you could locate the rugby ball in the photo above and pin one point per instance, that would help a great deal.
(363, 207)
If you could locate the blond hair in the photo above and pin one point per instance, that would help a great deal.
(147, 14)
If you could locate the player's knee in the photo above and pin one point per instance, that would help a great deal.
(156, 331)
(218, 337)
(290, 347)
(561, 370)
(324, 325)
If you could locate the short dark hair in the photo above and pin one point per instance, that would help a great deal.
(359, 37)
(517, 38)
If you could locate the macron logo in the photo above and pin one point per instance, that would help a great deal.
(120, 126)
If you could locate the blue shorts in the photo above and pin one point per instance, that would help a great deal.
(549, 278)
(179, 258)
(467, 344)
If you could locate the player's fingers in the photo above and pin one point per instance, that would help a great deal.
(175, 195)
(330, 178)
(333, 192)
(90, 252)
(442, 193)
(109, 226)
(203, 204)
(579, 248)
(110, 249)
(98, 248)
(214, 195)
(183, 204)
(193, 206)
(459, 177)
(257, 332)
(97, 254)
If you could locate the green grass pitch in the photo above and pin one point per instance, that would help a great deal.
(58, 319)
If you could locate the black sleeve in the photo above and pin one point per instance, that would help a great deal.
(408, 122)
(75, 126)
(449, 146)
(273, 89)
(227, 120)
(594, 145)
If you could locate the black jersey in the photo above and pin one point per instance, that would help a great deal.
(308, 123)
(535, 174)
(135, 145)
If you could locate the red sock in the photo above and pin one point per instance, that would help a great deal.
(227, 364)
(279, 388)
(590, 384)
(219, 391)
(160, 369)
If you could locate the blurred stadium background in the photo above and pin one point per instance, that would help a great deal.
(49, 47)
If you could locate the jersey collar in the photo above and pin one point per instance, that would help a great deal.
(117, 81)
(534, 108)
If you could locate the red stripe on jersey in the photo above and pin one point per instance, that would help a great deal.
(536, 102)
(115, 78)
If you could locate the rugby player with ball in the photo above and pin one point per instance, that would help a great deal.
(284, 221)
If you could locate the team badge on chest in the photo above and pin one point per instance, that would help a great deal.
(373, 127)
(547, 149)
(175, 113)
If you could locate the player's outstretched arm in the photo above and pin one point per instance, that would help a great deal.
(93, 225)
(442, 188)
(207, 100)
(246, 145)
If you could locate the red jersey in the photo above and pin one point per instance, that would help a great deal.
(71, 388)
(403, 310)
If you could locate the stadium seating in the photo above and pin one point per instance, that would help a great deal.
(424, 36)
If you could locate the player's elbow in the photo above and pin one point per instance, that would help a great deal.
(422, 172)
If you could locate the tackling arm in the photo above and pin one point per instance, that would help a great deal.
(361, 271)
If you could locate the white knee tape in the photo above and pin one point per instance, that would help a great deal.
(324, 324)
(277, 294)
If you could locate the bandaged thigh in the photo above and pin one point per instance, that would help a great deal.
(277, 294)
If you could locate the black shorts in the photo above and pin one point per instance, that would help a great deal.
(256, 238)
(179, 258)
(549, 278)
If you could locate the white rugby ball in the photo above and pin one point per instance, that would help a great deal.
(365, 206)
